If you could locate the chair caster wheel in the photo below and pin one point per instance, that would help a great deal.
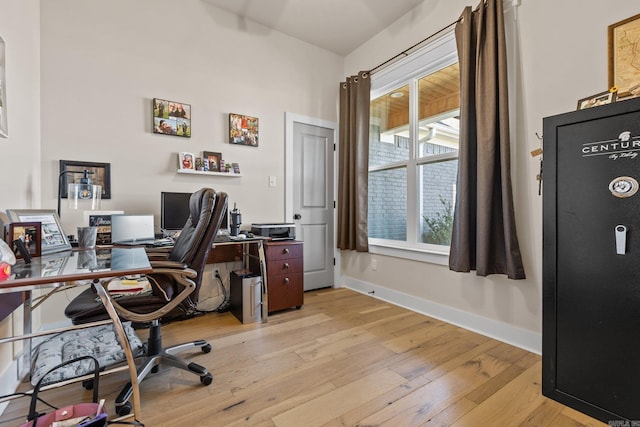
(206, 348)
(207, 379)
(87, 384)
(124, 409)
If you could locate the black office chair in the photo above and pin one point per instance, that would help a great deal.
(176, 279)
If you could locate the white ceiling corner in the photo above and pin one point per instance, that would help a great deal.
(339, 26)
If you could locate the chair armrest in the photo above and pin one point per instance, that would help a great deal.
(155, 264)
(182, 276)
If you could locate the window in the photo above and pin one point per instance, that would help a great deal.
(413, 151)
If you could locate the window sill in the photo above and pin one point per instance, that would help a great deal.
(403, 250)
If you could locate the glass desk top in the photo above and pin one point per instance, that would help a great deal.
(77, 265)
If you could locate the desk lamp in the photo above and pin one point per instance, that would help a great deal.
(81, 192)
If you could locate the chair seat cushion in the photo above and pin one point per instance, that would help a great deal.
(100, 342)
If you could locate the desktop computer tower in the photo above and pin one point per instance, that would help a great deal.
(246, 296)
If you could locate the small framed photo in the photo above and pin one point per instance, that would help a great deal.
(236, 168)
(101, 175)
(171, 118)
(101, 220)
(624, 72)
(30, 233)
(243, 130)
(602, 98)
(213, 159)
(53, 237)
(186, 161)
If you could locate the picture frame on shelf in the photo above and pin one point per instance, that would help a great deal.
(236, 168)
(186, 161)
(213, 159)
(30, 233)
(101, 175)
(602, 98)
(622, 47)
(53, 237)
(171, 118)
(243, 130)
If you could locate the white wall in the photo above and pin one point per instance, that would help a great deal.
(103, 62)
(560, 56)
(20, 153)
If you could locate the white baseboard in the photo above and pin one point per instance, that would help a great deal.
(505, 332)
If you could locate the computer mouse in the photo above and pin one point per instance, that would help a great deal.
(241, 236)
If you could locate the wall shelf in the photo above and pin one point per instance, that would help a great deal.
(195, 172)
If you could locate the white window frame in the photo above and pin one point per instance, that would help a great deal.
(436, 55)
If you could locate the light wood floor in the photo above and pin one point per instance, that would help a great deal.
(344, 359)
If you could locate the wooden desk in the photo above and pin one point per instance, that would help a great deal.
(52, 272)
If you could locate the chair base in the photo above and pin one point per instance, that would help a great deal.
(156, 357)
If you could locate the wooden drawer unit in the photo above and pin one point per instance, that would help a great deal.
(285, 274)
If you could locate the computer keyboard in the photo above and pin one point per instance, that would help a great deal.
(166, 241)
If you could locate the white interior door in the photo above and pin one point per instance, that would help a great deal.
(312, 208)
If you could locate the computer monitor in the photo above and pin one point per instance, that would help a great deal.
(174, 211)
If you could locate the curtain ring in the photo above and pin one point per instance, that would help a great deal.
(365, 75)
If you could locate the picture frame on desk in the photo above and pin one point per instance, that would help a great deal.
(53, 237)
(30, 233)
(101, 220)
(101, 175)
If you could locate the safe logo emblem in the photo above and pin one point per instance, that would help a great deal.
(625, 146)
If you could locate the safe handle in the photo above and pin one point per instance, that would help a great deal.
(621, 239)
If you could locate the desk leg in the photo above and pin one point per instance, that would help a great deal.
(263, 273)
(27, 326)
(137, 413)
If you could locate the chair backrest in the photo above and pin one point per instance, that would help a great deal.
(206, 208)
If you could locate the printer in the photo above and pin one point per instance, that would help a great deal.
(275, 231)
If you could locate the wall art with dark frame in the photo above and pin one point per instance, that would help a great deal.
(171, 118)
(623, 47)
(101, 175)
(243, 130)
(30, 233)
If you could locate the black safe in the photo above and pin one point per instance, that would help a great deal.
(591, 260)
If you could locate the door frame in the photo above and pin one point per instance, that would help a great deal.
(290, 119)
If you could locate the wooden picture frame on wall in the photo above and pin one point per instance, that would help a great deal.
(30, 233)
(624, 44)
(101, 175)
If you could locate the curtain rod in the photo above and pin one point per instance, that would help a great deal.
(406, 51)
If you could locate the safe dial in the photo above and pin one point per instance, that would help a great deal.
(623, 186)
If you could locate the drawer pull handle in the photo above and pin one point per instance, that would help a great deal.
(286, 280)
(286, 265)
(285, 251)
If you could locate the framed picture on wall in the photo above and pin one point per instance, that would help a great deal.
(171, 118)
(53, 237)
(4, 130)
(624, 72)
(101, 175)
(30, 233)
(243, 130)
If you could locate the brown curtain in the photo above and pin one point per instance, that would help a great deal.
(353, 163)
(484, 231)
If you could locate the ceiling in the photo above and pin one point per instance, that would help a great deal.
(339, 26)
